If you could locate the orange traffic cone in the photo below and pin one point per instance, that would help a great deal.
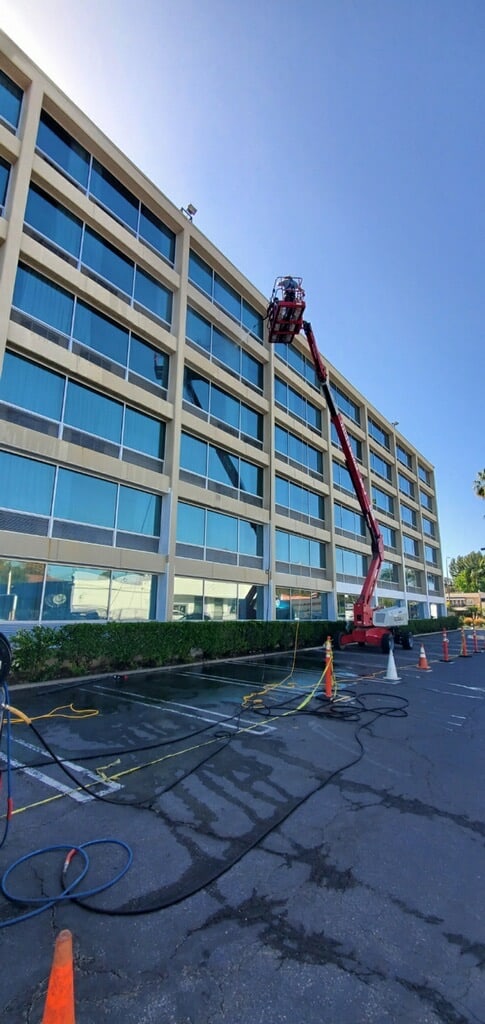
(423, 661)
(59, 1002)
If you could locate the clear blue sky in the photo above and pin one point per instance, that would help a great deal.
(339, 140)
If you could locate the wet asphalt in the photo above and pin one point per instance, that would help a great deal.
(294, 860)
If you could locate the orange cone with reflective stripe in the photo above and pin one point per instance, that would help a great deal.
(59, 1002)
(423, 661)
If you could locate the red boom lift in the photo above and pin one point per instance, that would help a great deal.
(371, 626)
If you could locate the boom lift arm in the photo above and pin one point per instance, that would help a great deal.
(285, 321)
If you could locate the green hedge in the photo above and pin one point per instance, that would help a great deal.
(89, 648)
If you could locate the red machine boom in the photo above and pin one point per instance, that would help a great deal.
(285, 321)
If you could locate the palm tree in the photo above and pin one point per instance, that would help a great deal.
(479, 484)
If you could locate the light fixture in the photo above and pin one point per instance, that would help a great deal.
(395, 423)
(190, 210)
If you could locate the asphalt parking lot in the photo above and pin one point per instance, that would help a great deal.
(293, 860)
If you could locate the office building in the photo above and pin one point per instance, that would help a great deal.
(159, 460)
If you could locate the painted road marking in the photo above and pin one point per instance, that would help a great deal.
(80, 797)
(134, 698)
(110, 787)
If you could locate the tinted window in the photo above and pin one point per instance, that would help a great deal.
(31, 386)
(221, 531)
(143, 359)
(26, 484)
(198, 329)
(107, 261)
(114, 195)
(4, 174)
(143, 433)
(157, 234)
(190, 524)
(43, 300)
(10, 100)
(200, 273)
(153, 296)
(193, 454)
(227, 297)
(138, 512)
(57, 144)
(100, 333)
(196, 389)
(93, 413)
(53, 221)
(84, 499)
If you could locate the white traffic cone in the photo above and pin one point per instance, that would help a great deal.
(391, 675)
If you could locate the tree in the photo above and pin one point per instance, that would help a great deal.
(468, 572)
(479, 484)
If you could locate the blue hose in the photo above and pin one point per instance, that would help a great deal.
(68, 893)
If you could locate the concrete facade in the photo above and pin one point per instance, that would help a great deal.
(155, 519)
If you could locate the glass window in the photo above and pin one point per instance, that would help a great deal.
(26, 484)
(139, 512)
(198, 329)
(404, 456)
(433, 582)
(350, 563)
(4, 175)
(153, 295)
(85, 499)
(196, 389)
(378, 433)
(190, 524)
(348, 520)
(282, 546)
(200, 273)
(355, 444)
(426, 501)
(428, 527)
(53, 221)
(98, 332)
(380, 466)
(187, 598)
(410, 545)
(389, 573)
(143, 359)
(252, 320)
(342, 478)
(413, 578)
(143, 433)
(251, 370)
(226, 351)
(158, 235)
(132, 596)
(382, 500)
(20, 589)
(345, 404)
(388, 536)
(221, 531)
(227, 297)
(31, 387)
(224, 407)
(251, 423)
(106, 261)
(43, 300)
(408, 515)
(405, 486)
(10, 100)
(250, 538)
(111, 193)
(193, 454)
(93, 413)
(250, 478)
(424, 474)
(60, 147)
(223, 467)
(294, 358)
(430, 554)
(220, 600)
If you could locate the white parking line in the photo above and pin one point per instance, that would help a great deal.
(133, 698)
(109, 787)
(80, 797)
